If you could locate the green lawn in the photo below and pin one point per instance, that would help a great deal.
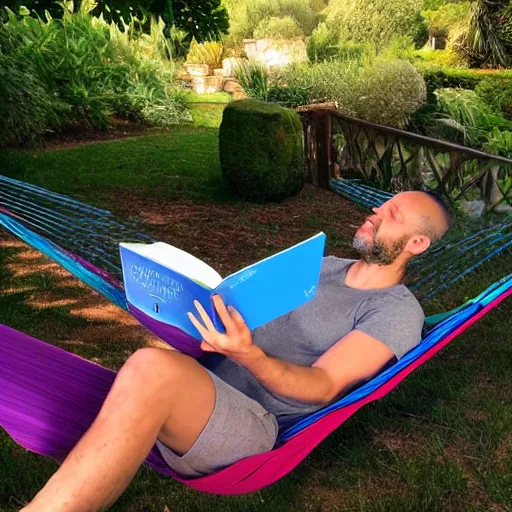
(441, 442)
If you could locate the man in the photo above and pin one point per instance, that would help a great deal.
(201, 419)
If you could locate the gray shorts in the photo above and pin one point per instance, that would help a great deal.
(238, 427)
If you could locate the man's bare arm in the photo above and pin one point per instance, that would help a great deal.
(355, 357)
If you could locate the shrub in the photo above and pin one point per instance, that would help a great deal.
(325, 81)
(437, 78)
(497, 93)
(446, 58)
(253, 77)
(348, 50)
(289, 96)
(381, 90)
(261, 150)
(321, 45)
(390, 91)
(278, 28)
(246, 15)
(375, 22)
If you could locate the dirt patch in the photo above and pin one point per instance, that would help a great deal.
(503, 454)
(119, 129)
(404, 445)
(230, 237)
(106, 323)
(326, 499)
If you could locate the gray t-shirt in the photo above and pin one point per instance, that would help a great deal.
(391, 315)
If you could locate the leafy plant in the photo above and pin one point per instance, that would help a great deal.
(499, 142)
(76, 72)
(465, 118)
(254, 79)
(322, 44)
(497, 94)
(488, 39)
(211, 53)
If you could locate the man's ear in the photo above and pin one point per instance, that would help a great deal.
(417, 244)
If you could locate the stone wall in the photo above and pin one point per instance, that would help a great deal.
(276, 53)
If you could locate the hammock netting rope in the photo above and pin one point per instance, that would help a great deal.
(47, 412)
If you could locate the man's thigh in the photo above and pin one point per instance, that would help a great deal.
(237, 428)
(188, 396)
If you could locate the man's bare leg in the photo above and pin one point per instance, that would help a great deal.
(157, 393)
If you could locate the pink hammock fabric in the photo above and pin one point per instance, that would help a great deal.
(50, 397)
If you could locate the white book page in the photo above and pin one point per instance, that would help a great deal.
(178, 260)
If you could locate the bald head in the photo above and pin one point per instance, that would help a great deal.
(433, 217)
(401, 228)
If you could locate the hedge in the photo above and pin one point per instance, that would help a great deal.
(261, 150)
(437, 78)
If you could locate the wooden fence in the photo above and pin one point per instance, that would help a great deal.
(340, 146)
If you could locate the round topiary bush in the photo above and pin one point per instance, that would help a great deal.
(261, 150)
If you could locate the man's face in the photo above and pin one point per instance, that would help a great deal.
(384, 234)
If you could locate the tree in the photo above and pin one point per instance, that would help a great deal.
(201, 19)
(488, 40)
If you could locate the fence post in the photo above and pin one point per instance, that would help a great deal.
(323, 135)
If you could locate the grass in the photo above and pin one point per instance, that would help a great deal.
(181, 163)
(206, 109)
(441, 442)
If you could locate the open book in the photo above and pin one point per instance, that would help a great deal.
(163, 282)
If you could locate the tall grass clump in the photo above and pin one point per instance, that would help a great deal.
(209, 52)
(76, 72)
(254, 79)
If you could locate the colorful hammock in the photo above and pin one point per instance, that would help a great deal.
(48, 412)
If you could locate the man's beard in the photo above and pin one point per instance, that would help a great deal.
(378, 252)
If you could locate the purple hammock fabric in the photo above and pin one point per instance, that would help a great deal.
(50, 397)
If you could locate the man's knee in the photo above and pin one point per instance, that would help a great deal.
(153, 365)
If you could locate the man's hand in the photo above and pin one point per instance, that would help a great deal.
(236, 343)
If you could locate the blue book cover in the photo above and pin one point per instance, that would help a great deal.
(163, 282)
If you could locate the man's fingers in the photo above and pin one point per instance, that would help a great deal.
(224, 315)
(237, 318)
(200, 327)
(204, 316)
